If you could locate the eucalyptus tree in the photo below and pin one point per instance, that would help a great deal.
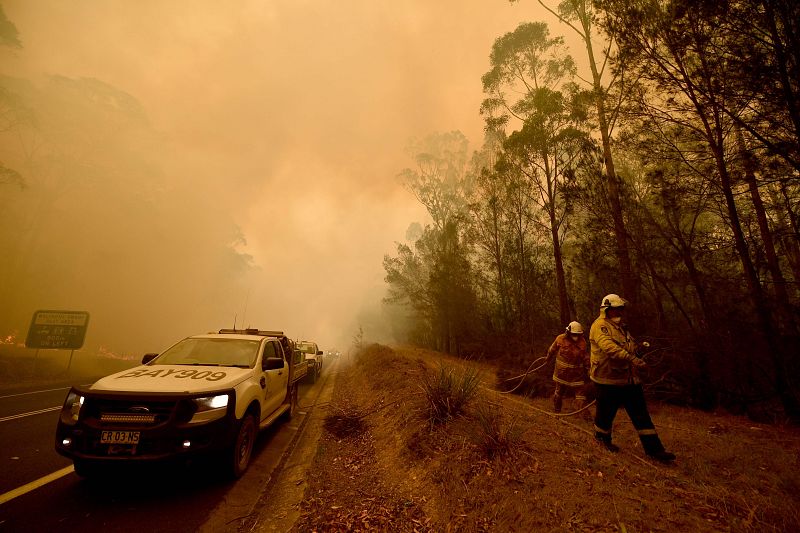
(674, 47)
(440, 288)
(439, 179)
(407, 275)
(9, 35)
(678, 209)
(517, 207)
(582, 18)
(545, 151)
(763, 43)
(9, 106)
(489, 215)
(529, 86)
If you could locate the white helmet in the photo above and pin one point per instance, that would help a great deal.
(612, 300)
(575, 327)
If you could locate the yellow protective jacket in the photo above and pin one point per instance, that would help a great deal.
(571, 360)
(613, 349)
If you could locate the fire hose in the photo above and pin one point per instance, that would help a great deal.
(531, 370)
(522, 376)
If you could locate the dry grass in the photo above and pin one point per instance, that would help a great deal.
(503, 466)
(449, 391)
(496, 435)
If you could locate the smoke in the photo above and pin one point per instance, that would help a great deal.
(186, 164)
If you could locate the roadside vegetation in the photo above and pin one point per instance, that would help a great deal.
(449, 392)
(501, 465)
(659, 160)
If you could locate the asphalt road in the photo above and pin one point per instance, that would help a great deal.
(153, 498)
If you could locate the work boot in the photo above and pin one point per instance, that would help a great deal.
(606, 442)
(556, 404)
(662, 456)
(655, 450)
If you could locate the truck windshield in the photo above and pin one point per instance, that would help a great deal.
(213, 352)
(308, 348)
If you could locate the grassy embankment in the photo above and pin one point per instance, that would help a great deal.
(478, 460)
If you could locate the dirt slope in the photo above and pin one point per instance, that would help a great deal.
(382, 466)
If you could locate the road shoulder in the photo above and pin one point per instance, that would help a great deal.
(268, 497)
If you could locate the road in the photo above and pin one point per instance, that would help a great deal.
(156, 498)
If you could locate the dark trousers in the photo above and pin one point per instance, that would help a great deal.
(610, 398)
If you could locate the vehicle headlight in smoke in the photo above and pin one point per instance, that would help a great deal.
(210, 408)
(72, 408)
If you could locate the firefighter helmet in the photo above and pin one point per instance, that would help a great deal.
(612, 300)
(575, 327)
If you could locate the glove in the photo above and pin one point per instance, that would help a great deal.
(638, 363)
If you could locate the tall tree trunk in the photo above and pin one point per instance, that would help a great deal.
(583, 12)
(788, 206)
(662, 318)
(778, 281)
(782, 61)
(697, 284)
(497, 250)
(763, 315)
(786, 236)
(629, 285)
(561, 281)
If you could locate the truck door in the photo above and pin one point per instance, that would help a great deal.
(276, 380)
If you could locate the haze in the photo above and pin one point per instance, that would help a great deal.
(194, 162)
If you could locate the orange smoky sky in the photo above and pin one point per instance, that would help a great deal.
(288, 117)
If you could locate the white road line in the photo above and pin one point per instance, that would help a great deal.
(33, 392)
(33, 485)
(23, 415)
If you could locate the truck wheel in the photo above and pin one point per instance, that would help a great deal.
(314, 374)
(239, 454)
(84, 468)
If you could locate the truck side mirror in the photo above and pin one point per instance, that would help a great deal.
(148, 357)
(319, 352)
(272, 363)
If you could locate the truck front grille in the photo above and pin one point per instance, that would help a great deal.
(128, 412)
(121, 418)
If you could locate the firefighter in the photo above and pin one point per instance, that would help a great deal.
(572, 361)
(614, 370)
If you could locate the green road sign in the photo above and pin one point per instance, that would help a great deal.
(61, 330)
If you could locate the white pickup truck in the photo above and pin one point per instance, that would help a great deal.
(313, 357)
(206, 394)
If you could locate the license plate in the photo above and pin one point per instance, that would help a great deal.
(119, 437)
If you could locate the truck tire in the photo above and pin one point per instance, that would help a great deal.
(314, 373)
(240, 452)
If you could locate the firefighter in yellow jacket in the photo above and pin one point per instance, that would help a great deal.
(572, 362)
(614, 370)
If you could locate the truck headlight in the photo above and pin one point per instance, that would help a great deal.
(72, 408)
(210, 408)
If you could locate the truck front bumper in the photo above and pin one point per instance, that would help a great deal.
(167, 433)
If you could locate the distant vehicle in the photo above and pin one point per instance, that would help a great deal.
(313, 357)
(207, 394)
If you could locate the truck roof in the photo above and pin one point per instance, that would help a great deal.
(251, 334)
